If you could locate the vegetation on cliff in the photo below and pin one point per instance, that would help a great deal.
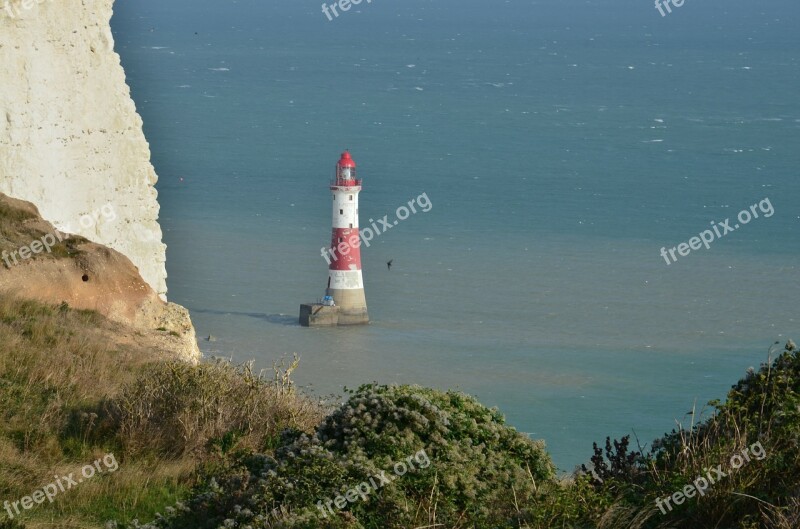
(472, 461)
(215, 445)
(75, 387)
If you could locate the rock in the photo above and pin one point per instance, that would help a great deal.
(71, 138)
(81, 274)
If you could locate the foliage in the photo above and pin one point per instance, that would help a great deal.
(56, 367)
(245, 450)
(20, 226)
(175, 408)
(475, 460)
(61, 373)
(623, 466)
(762, 411)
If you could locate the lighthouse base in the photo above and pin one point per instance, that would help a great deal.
(319, 315)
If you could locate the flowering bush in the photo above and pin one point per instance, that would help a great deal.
(479, 468)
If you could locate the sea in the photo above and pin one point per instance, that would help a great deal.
(561, 144)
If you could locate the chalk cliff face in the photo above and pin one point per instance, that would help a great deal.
(71, 141)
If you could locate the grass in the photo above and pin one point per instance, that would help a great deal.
(55, 363)
(19, 228)
(11, 216)
(71, 393)
(174, 409)
(75, 387)
(761, 418)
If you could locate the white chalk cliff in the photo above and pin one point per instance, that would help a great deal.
(71, 141)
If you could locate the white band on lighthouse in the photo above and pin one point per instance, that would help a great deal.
(345, 207)
(346, 279)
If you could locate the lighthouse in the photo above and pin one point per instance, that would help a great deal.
(344, 302)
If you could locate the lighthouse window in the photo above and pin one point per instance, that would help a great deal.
(341, 212)
(351, 224)
(351, 197)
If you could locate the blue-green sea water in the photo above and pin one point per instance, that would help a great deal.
(562, 144)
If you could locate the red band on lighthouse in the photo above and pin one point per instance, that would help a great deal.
(345, 249)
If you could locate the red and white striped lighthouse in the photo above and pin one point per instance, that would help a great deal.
(345, 281)
(344, 303)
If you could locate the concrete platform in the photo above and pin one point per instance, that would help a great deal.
(319, 315)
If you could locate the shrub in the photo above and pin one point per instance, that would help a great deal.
(615, 467)
(57, 365)
(762, 409)
(478, 467)
(175, 408)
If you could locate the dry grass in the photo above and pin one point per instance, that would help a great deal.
(54, 361)
(782, 517)
(20, 226)
(60, 369)
(177, 409)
